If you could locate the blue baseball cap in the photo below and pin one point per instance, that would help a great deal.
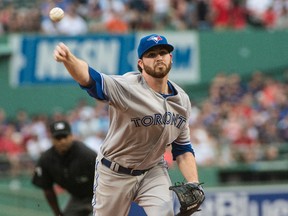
(153, 40)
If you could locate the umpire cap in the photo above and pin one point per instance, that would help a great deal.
(60, 128)
(153, 40)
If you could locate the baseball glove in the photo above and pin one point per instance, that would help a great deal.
(190, 195)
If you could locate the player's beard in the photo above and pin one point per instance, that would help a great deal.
(158, 71)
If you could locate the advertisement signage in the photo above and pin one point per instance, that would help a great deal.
(32, 60)
(246, 202)
(239, 201)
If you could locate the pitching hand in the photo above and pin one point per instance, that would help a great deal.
(61, 53)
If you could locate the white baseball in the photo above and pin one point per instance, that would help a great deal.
(56, 14)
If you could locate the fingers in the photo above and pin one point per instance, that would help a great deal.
(61, 52)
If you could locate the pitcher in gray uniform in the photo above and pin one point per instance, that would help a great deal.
(148, 112)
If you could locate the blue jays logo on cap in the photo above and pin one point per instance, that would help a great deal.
(153, 40)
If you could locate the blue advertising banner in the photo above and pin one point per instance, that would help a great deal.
(246, 202)
(33, 63)
(239, 201)
(32, 60)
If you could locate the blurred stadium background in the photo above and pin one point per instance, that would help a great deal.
(231, 57)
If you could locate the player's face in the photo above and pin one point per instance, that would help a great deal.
(62, 143)
(157, 62)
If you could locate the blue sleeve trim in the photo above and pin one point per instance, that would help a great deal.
(96, 88)
(181, 149)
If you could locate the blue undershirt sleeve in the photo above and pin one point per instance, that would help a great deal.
(96, 88)
(181, 149)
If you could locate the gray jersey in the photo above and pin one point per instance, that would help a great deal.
(142, 121)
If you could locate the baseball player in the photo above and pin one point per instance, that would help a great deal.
(70, 164)
(148, 112)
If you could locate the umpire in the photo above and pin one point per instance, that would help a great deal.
(69, 164)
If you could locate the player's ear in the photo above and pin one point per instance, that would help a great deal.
(140, 65)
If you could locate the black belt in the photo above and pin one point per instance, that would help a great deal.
(117, 168)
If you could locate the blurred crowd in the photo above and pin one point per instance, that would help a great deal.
(241, 121)
(123, 16)
(24, 137)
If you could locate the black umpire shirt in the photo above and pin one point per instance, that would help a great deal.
(73, 171)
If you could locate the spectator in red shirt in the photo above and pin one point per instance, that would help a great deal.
(269, 18)
(220, 13)
(238, 15)
(11, 147)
